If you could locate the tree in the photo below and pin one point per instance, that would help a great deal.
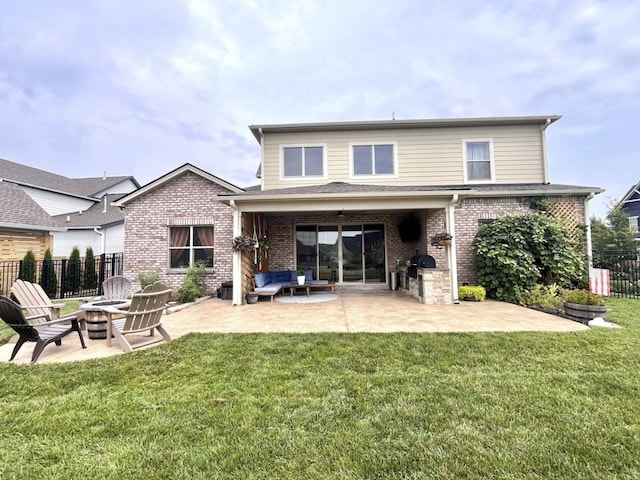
(614, 233)
(48, 279)
(89, 277)
(28, 270)
(514, 253)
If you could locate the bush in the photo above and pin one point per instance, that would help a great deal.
(73, 273)
(148, 277)
(48, 279)
(584, 297)
(545, 297)
(193, 284)
(28, 270)
(474, 292)
(514, 253)
(89, 277)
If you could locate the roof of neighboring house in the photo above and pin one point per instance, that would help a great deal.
(102, 214)
(633, 193)
(257, 130)
(348, 189)
(158, 182)
(30, 176)
(21, 212)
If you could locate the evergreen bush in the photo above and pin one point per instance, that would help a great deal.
(48, 278)
(89, 275)
(28, 270)
(73, 272)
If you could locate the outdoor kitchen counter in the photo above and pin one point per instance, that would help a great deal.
(432, 286)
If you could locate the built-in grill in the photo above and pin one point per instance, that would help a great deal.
(420, 261)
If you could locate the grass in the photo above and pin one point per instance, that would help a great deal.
(335, 406)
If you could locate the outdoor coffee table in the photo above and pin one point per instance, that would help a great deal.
(311, 286)
(97, 317)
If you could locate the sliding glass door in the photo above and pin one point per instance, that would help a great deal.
(342, 253)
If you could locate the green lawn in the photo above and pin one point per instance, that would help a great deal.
(335, 406)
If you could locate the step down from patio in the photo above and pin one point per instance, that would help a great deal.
(372, 287)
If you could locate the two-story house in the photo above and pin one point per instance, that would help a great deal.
(337, 197)
(40, 210)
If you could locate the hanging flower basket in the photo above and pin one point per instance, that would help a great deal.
(243, 243)
(442, 239)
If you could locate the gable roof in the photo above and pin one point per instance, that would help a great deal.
(158, 182)
(34, 177)
(632, 195)
(101, 214)
(20, 211)
(258, 130)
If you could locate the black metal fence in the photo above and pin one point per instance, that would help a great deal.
(66, 278)
(624, 271)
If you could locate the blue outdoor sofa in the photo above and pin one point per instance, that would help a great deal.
(273, 282)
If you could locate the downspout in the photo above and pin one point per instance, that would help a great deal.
(103, 246)
(587, 225)
(545, 163)
(452, 254)
(261, 158)
(237, 256)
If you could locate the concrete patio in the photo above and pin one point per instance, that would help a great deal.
(351, 312)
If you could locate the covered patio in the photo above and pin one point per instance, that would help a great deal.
(349, 312)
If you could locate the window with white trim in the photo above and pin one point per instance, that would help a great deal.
(373, 159)
(189, 244)
(478, 156)
(303, 161)
(634, 223)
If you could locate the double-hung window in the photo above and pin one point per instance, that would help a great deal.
(303, 161)
(373, 159)
(478, 155)
(190, 244)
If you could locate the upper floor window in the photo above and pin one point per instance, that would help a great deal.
(634, 223)
(189, 244)
(373, 159)
(303, 161)
(478, 155)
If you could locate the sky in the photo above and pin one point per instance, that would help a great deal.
(139, 88)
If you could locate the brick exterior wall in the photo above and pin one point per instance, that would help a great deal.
(184, 200)
(470, 211)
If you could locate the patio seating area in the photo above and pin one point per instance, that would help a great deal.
(351, 312)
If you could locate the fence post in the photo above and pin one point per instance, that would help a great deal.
(101, 278)
(63, 276)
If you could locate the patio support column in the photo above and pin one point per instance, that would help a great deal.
(237, 257)
(453, 262)
(587, 224)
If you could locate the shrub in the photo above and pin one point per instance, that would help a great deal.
(148, 277)
(513, 253)
(193, 284)
(89, 277)
(73, 272)
(28, 270)
(584, 297)
(475, 292)
(48, 279)
(545, 297)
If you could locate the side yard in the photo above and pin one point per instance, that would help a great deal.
(482, 405)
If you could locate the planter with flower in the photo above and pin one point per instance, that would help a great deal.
(442, 239)
(582, 306)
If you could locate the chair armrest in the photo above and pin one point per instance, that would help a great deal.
(52, 322)
(114, 310)
(57, 306)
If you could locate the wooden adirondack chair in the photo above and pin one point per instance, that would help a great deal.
(41, 332)
(116, 288)
(32, 297)
(145, 313)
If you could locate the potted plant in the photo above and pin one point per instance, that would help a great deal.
(243, 242)
(472, 293)
(250, 295)
(300, 273)
(582, 305)
(441, 239)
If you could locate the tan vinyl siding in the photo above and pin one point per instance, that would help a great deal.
(428, 156)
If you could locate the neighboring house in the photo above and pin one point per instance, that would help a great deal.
(40, 210)
(174, 221)
(630, 203)
(333, 194)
